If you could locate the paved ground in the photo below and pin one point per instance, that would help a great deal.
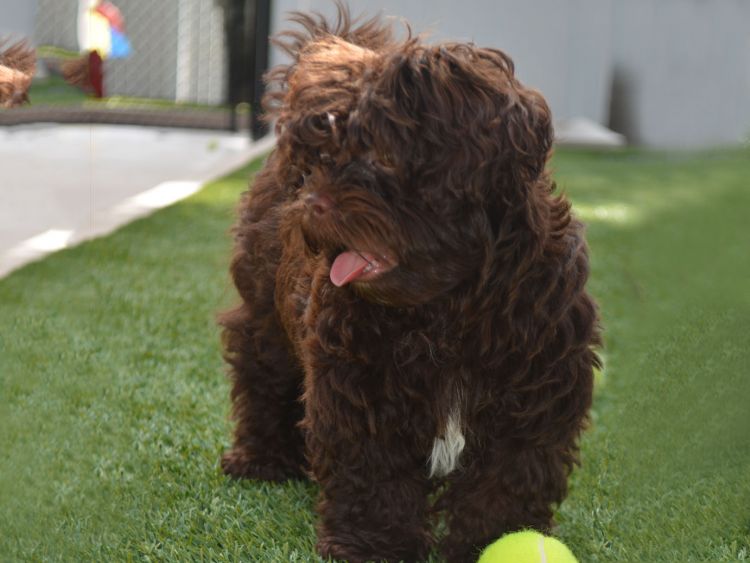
(60, 184)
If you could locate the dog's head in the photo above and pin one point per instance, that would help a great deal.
(416, 165)
(17, 66)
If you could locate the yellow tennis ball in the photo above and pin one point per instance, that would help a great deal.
(527, 547)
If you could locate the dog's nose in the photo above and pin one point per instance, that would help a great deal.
(318, 204)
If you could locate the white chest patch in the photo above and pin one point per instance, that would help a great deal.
(447, 449)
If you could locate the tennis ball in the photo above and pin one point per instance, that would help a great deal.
(527, 547)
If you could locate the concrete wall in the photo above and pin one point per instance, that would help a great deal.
(682, 72)
(202, 56)
(17, 18)
(561, 47)
(178, 51)
(57, 23)
(151, 70)
(666, 73)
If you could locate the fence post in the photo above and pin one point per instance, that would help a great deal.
(240, 32)
(262, 13)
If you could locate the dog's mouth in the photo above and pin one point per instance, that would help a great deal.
(354, 266)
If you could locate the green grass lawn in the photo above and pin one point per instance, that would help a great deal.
(113, 408)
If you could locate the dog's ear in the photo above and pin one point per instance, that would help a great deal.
(451, 94)
(527, 127)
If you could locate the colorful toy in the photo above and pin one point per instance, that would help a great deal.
(101, 28)
(101, 35)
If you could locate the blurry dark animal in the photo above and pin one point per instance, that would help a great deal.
(17, 68)
(86, 72)
(414, 324)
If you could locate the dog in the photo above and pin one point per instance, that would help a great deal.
(414, 331)
(17, 68)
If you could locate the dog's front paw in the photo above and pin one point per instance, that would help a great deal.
(240, 464)
(358, 550)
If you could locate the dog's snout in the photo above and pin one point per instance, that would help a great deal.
(318, 204)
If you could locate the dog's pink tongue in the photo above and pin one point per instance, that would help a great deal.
(346, 267)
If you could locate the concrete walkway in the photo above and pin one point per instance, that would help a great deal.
(62, 184)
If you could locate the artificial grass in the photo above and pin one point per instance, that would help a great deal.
(114, 407)
(54, 91)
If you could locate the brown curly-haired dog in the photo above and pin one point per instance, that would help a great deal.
(17, 67)
(414, 324)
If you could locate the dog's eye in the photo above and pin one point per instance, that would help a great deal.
(298, 177)
(387, 160)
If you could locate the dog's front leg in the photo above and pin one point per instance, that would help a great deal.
(268, 445)
(373, 481)
(513, 487)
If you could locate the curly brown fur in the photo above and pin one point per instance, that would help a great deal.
(76, 72)
(474, 326)
(17, 67)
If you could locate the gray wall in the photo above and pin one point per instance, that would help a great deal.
(561, 47)
(178, 51)
(151, 70)
(202, 53)
(17, 18)
(682, 72)
(56, 23)
(666, 73)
